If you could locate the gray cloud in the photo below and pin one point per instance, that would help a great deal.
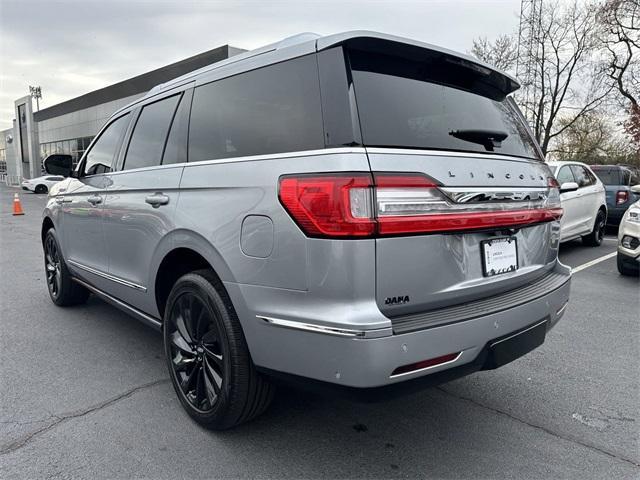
(71, 48)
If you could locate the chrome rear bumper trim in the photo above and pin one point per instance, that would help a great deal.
(340, 332)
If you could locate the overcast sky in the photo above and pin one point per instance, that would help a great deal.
(71, 48)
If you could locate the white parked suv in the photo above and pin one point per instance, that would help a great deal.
(584, 202)
(629, 239)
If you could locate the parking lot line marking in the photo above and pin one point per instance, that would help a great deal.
(593, 262)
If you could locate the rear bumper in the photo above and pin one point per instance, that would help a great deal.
(346, 359)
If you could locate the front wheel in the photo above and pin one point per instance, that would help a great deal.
(594, 239)
(62, 289)
(41, 189)
(207, 355)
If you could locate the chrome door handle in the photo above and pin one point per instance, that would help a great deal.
(157, 199)
(60, 200)
(94, 200)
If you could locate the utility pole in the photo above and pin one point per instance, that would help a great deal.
(527, 65)
(36, 92)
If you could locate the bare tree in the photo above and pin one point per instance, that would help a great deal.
(567, 82)
(501, 53)
(619, 22)
(592, 139)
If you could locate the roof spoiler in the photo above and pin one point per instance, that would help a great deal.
(502, 84)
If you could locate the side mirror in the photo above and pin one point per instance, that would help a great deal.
(58, 164)
(568, 187)
(635, 189)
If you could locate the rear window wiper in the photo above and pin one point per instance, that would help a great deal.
(490, 139)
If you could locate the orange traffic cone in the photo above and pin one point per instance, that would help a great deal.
(17, 206)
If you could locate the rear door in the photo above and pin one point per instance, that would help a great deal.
(463, 211)
(142, 196)
(570, 203)
(588, 194)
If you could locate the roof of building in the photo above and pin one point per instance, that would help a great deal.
(138, 84)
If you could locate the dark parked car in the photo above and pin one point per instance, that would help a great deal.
(618, 181)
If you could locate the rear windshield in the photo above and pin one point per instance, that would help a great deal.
(608, 176)
(432, 104)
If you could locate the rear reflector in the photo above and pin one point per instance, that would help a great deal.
(432, 362)
(358, 205)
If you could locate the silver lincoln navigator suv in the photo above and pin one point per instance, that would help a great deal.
(358, 211)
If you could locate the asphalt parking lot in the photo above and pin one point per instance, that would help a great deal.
(84, 394)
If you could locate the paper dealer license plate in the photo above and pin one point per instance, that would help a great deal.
(499, 255)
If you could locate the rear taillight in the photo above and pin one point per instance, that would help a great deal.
(329, 205)
(357, 205)
(621, 197)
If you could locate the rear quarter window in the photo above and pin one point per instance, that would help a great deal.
(273, 109)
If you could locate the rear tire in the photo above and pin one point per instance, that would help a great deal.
(594, 239)
(41, 189)
(625, 269)
(63, 290)
(207, 355)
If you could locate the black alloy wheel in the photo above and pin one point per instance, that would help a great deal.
(596, 236)
(53, 267)
(197, 352)
(63, 290)
(207, 354)
(41, 189)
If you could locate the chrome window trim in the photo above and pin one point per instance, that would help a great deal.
(447, 153)
(108, 276)
(276, 156)
(340, 332)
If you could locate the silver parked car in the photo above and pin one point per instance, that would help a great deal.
(356, 211)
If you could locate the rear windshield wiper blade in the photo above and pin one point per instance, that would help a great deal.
(490, 139)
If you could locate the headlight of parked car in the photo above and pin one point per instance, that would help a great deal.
(633, 215)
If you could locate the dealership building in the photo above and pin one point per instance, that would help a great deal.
(69, 127)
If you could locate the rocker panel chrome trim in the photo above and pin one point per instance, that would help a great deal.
(113, 278)
(143, 317)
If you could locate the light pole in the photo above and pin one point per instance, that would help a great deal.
(36, 92)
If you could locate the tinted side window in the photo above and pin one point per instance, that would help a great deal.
(272, 109)
(592, 178)
(101, 156)
(176, 148)
(150, 134)
(565, 175)
(581, 175)
(608, 176)
(626, 176)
